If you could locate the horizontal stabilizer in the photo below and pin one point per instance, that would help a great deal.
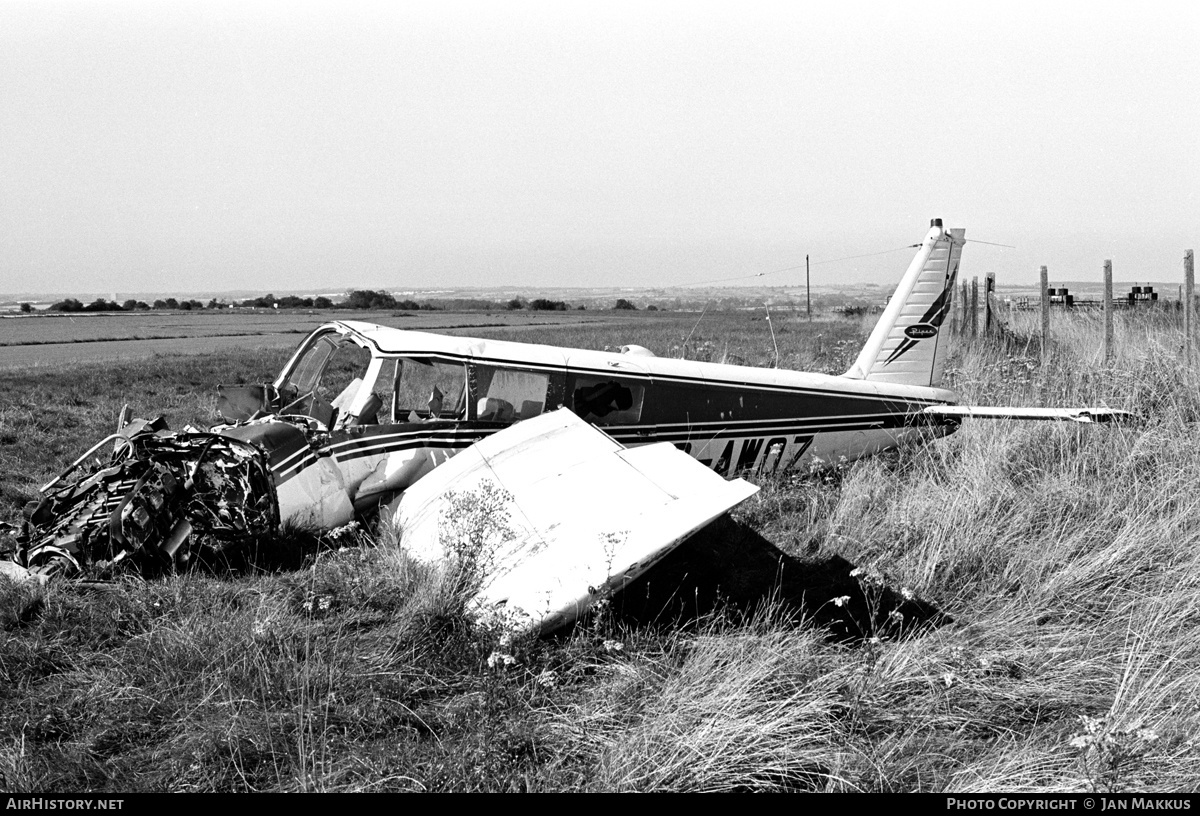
(1004, 412)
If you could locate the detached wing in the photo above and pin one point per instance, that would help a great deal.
(1057, 414)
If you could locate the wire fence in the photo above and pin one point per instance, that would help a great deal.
(974, 314)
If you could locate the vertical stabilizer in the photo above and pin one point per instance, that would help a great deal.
(907, 345)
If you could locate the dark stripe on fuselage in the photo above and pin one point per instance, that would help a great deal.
(348, 450)
(378, 444)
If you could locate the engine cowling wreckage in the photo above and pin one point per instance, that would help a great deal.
(157, 496)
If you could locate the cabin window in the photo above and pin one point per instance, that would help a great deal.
(604, 401)
(430, 389)
(508, 394)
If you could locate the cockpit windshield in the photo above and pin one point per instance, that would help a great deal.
(327, 381)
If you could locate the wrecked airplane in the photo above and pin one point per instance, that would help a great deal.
(361, 412)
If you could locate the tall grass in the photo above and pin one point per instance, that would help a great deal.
(1068, 552)
(724, 708)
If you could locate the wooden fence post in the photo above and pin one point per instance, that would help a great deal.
(962, 326)
(1108, 313)
(1189, 304)
(990, 320)
(974, 306)
(1045, 312)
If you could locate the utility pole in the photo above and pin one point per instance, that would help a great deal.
(807, 289)
(1108, 313)
(1045, 276)
(1189, 304)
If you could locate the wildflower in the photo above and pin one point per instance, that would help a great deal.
(611, 646)
(907, 593)
(345, 529)
(501, 660)
(841, 600)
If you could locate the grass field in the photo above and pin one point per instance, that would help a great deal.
(53, 339)
(38, 329)
(1063, 558)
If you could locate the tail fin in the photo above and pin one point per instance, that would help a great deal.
(906, 345)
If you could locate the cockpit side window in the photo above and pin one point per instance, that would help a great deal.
(344, 373)
(508, 394)
(428, 389)
(604, 401)
(305, 375)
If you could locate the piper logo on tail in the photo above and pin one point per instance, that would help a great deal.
(920, 331)
(930, 321)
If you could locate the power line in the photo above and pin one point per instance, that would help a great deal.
(868, 255)
(799, 266)
(832, 260)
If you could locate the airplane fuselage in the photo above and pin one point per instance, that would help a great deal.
(411, 400)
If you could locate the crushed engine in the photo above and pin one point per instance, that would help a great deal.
(155, 499)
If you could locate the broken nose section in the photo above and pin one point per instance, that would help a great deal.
(152, 499)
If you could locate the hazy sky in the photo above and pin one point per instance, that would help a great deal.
(182, 146)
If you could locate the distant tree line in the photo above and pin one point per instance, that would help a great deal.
(537, 305)
(364, 299)
(355, 299)
(287, 302)
(102, 305)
